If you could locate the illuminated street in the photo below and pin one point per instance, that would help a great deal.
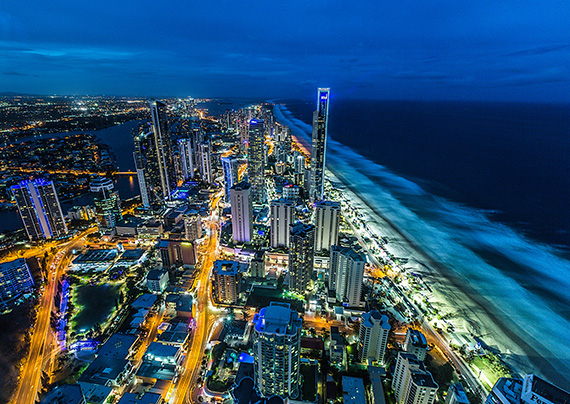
(206, 315)
(41, 344)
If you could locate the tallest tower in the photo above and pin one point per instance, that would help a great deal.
(163, 148)
(319, 144)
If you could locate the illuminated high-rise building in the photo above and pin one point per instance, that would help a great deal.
(15, 279)
(242, 212)
(107, 202)
(301, 256)
(230, 168)
(39, 209)
(412, 383)
(327, 223)
(277, 351)
(256, 160)
(319, 145)
(163, 147)
(206, 163)
(282, 216)
(346, 274)
(186, 155)
(374, 330)
(228, 276)
(153, 159)
(145, 163)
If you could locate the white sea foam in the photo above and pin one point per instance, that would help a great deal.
(456, 236)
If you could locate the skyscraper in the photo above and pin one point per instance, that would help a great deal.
(412, 383)
(276, 351)
(327, 223)
(319, 144)
(374, 330)
(301, 255)
(256, 160)
(107, 202)
(228, 276)
(282, 136)
(163, 147)
(282, 215)
(206, 163)
(186, 153)
(242, 212)
(146, 166)
(230, 169)
(39, 209)
(346, 274)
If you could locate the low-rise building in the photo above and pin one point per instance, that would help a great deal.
(353, 390)
(98, 260)
(146, 398)
(157, 280)
(65, 394)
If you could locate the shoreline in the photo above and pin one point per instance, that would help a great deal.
(455, 296)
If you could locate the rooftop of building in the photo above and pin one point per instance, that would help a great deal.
(65, 394)
(283, 201)
(144, 301)
(103, 369)
(278, 318)
(156, 274)
(161, 352)
(349, 252)
(423, 378)
(117, 346)
(459, 392)
(301, 229)
(546, 390)
(147, 398)
(353, 390)
(95, 256)
(417, 338)
(508, 389)
(227, 268)
(156, 370)
(374, 317)
(334, 204)
(241, 186)
(10, 265)
(131, 255)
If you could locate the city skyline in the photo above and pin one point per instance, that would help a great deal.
(484, 51)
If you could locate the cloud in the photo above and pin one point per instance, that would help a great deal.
(546, 76)
(413, 75)
(14, 73)
(540, 50)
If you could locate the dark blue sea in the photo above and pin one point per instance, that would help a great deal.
(511, 160)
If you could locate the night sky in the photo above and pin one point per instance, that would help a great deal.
(464, 50)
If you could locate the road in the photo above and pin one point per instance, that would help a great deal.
(205, 314)
(41, 345)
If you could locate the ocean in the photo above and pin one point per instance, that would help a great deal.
(480, 189)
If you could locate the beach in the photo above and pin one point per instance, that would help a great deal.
(439, 239)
